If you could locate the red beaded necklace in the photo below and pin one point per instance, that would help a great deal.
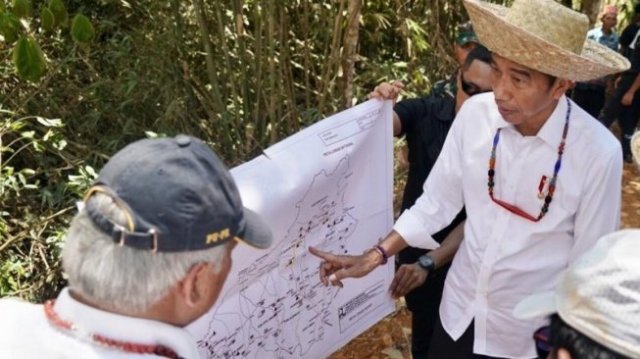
(552, 183)
(128, 347)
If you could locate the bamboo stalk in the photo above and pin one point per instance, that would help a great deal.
(271, 65)
(349, 53)
(327, 83)
(205, 37)
(244, 62)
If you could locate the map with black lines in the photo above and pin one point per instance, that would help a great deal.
(326, 186)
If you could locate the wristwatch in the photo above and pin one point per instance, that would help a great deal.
(427, 263)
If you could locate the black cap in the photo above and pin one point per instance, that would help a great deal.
(178, 196)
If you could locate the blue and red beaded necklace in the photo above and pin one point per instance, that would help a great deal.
(552, 183)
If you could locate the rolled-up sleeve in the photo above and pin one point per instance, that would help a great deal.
(442, 199)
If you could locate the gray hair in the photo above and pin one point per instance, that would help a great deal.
(119, 277)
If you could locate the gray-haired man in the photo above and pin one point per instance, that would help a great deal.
(147, 255)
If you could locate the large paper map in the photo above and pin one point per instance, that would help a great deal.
(328, 186)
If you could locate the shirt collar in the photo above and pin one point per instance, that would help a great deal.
(136, 330)
(551, 130)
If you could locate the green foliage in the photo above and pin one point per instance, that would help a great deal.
(81, 29)
(39, 181)
(59, 11)
(47, 20)
(9, 27)
(28, 59)
(21, 8)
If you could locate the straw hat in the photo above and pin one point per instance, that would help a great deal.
(545, 36)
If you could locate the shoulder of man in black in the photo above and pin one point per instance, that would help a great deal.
(628, 34)
(430, 111)
(635, 61)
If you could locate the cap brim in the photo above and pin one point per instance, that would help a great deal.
(257, 232)
(539, 305)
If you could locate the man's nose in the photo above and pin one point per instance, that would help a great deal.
(500, 89)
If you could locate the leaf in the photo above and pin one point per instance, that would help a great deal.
(28, 134)
(81, 29)
(59, 11)
(9, 27)
(49, 122)
(47, 20)
(21, 8)
(28, 59)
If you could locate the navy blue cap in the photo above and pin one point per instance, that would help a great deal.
(178, 196)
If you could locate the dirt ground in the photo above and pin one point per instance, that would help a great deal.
(391, 337)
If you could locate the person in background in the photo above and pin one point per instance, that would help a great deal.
(147, 254)
(624, 104)
(590, 95)
(514, 159)
(425, 123)
(466, 40)
(629, 35)
(595, 309)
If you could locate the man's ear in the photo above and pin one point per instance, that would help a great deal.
(560, 87)
(191, 285)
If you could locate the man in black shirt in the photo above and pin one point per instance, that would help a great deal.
(628, 37)
(425, 123)
(625, 104)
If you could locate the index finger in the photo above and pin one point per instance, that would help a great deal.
(329, 257)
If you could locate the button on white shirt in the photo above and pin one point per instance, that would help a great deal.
(26, 333)
(503, 256)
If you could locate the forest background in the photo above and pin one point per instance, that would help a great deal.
(82, 78)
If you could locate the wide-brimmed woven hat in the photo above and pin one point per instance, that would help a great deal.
(545, 36)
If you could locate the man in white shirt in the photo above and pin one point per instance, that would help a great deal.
(147, 254)
(539, 177)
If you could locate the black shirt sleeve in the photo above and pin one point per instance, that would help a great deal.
(628, 34)
(411, 111)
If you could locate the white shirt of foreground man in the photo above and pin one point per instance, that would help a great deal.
(503, 256)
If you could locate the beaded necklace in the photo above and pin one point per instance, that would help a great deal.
(552, 183)
(128, 347)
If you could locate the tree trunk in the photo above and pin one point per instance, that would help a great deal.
(591, 8)
(350, 50)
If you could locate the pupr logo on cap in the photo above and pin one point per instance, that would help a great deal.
(218, 236)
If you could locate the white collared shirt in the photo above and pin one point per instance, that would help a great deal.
(26, 333)
(504, 257)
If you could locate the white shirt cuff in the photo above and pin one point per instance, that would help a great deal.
(413, 232)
